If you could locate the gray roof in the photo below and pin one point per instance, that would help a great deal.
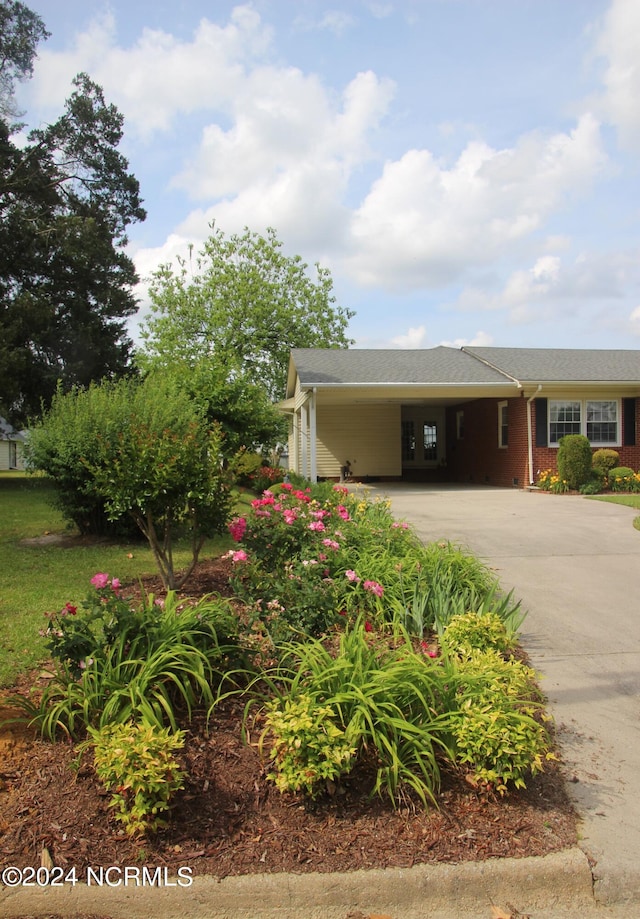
(317, 366)
(444, 365)
(539, 365)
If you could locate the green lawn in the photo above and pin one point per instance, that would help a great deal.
(38, 579)
(628, 500)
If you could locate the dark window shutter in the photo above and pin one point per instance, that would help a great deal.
(541, 423)
(629, 422)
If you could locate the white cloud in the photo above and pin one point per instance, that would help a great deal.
(423, 224)
(634, 321)
(160, 76)
(619, 43)
(413, 339)
(479, 340)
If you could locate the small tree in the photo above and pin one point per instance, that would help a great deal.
(164, 469)
(574, 460)
(142, 451)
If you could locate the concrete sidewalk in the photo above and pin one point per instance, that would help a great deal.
(575, 563)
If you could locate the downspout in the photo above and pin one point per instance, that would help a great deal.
(529, 432)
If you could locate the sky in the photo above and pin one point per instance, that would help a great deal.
(468, 170)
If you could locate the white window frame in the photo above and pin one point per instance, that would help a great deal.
(503, 425)
(583, 404)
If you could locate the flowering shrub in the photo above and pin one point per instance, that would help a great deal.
(622, 478)
(116, 660)
(549, 480)
(320, 553)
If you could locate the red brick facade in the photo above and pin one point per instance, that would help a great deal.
(477, 456)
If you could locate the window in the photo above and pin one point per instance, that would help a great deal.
(564, 418)
(430, 441)
(602, 422)
(503, 424)
(408, 441)
(596, 419)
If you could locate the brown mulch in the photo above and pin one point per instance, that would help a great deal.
(231, 820)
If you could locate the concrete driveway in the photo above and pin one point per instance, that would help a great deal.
(576, 565)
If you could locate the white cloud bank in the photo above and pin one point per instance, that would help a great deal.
(619, 43)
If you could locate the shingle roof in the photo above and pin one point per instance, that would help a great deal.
(317, 366)
(539, 365)
(443, 365)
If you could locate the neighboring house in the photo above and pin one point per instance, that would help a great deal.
(11, 447)
(485, 415)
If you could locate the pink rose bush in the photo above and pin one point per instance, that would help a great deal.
(316, 552)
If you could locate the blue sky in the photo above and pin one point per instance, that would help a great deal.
(469, 170)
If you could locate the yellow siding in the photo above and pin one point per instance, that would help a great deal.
(366, 435)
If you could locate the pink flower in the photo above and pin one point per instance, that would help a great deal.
(374, 588)
(331, 544)
(289, 516)
(368, 627)
(399, 526)
(342, 512)
(320, 514)
(239, 556)
(115, 584)
(69, 610)
(351, 575)
(317, 525)
(100, 580)
(237, 528)
(341, 489)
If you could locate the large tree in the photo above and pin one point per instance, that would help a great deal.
(66, 283)
(243, 304)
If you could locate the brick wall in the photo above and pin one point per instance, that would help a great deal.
(546, 457)
(477, 456)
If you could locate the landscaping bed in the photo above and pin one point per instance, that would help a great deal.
(230, 819)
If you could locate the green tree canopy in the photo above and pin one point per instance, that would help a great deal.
(21, 31)
(66, 200)
(244, 305)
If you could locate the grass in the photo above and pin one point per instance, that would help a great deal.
(40, 579)
(628, 500)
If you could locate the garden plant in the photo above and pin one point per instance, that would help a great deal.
(355, 649)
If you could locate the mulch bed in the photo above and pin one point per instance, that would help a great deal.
(231, 820)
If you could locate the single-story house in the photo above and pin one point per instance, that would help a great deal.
(11, 446)
(474, 414)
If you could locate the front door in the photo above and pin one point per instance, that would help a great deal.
(422, 437)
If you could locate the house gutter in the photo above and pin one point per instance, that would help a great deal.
(529, 432)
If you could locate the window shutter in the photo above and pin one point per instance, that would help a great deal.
(541, 423)
(629, 422)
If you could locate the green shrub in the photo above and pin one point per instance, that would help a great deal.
(574, 460)
(384, 702)
(115, 661)
(605, 459)
(308, 748)
(622, 478)
(138, 761)
(481, 631)
(494, 726)
(593, 487)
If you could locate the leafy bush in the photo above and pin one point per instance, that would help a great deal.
(574, 460)
(116, 661)
(141, 451)
(480, 631)
(138, 761)
(551, 481)
(622, 478)
(307, 746)
(383, 701)
(494, 725)
(605, 459)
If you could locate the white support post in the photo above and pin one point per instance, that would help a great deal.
(312, 437)
(303, 440)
